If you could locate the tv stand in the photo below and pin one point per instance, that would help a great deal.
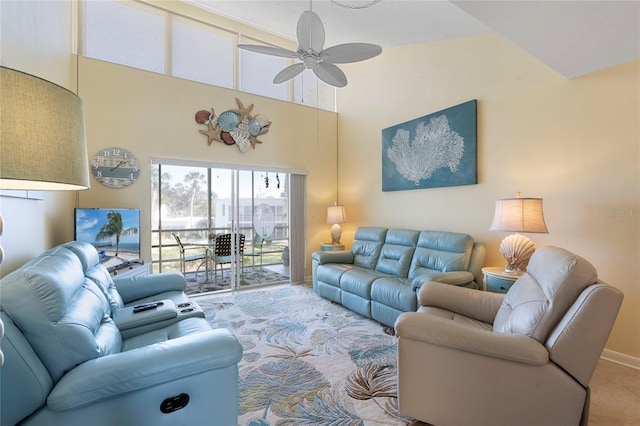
(131, 270)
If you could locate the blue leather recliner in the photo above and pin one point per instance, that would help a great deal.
(382, 273)
(75, 353)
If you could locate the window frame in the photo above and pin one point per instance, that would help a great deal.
(238, 37)
(295, 209)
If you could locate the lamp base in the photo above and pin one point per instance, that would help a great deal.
(517, 250)
(336, 233)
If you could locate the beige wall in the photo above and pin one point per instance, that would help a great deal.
(152, 115)
(573, 143)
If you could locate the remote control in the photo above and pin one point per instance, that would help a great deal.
(142, 308)
(152, 304)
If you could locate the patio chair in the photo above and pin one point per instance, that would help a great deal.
(223, 254)
(198, 255)
(256, 249)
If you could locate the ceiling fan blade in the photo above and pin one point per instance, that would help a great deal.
(288, 73)
(269, 50)
(350, 52)
(330, 74)
(310, 32)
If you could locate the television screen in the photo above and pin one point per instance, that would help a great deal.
(115, 233)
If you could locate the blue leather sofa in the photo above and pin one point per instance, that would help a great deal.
(380, 276)
(75, 353)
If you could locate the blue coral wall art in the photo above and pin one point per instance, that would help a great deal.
(439, 149)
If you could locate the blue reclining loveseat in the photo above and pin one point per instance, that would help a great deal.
(380, 276)
(79, 350)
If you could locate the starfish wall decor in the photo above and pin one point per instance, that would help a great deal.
(234, 127)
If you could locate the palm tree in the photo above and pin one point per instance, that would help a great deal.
(193, 180)
(114, 228)
(156, 180)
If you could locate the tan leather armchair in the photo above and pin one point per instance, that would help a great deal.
(470, 357)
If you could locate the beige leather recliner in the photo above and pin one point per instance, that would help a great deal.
(470, 357)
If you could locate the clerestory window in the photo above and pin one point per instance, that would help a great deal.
(151, 38)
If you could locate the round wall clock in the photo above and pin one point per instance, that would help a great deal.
(115, 167)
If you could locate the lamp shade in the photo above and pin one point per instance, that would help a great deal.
(336, 214)
(519, 215)
(42, 135)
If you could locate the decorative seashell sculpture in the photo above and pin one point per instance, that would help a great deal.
(517, 250)
(242, 139)
(228, 120)
(227, 138)
(264, 123)
(234, 127)
(203, 116)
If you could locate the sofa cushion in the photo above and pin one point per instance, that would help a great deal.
(396, 293)
(538, 299)
(96, 272)
(397, 252)
(366, 246)
(24, 368)
(64, 316)
(438, 251)
(101, 277)
(358, 281)
(330, 273)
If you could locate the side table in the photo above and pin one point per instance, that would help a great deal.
(497, 280)
(331, 247)
(131, 271)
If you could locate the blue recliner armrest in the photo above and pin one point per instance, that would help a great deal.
(457, 278)
(138, 369)
(141, 286)
(323, 257)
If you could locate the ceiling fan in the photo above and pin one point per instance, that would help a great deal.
(310, 32)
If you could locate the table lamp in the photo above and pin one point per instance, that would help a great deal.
(336, 216)
(518, 215)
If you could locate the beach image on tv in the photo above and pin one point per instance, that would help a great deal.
(113, 232)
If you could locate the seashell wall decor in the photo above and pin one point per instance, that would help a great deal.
(234, 127)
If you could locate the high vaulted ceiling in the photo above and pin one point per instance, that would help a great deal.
(573, 37)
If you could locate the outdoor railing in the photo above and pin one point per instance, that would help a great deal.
(165, 253)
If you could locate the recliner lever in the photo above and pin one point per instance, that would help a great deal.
(174, 403)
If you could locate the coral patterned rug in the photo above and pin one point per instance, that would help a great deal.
(308, 361)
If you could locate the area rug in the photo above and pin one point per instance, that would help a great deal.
(308, 361)
(197, 283)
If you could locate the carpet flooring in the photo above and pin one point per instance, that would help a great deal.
(197, 283)
(308, 361)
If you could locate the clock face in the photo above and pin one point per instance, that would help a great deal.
(115, 167)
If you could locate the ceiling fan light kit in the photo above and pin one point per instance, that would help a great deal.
(353, 5)
(313, 56)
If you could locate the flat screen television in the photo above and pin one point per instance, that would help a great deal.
(115, 233)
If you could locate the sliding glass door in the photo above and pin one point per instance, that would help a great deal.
(195, 205)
